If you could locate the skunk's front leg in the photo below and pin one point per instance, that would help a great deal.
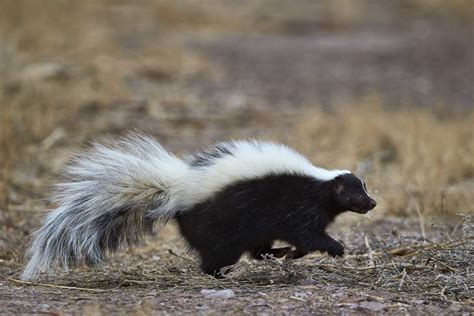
(321, 241)
(332, 246)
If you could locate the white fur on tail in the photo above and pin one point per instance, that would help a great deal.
(122, 182)
(114, 193)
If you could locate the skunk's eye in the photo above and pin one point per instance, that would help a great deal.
(357, 195)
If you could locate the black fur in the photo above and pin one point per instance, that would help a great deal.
(351, 194)
(123, 226)
(250, 215)
(206, 157)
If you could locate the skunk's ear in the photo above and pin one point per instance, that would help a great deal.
(338, 186)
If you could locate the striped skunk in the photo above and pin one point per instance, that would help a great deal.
(230, 199)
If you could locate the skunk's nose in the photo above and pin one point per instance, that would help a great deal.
(372, 204)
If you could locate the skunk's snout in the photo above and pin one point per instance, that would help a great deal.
(372, 204)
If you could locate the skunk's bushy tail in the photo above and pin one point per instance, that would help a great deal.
(112, 196)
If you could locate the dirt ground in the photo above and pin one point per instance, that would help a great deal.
(192, 75)
(162, 277)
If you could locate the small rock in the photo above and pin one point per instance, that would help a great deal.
(223, 294)
(372, 306)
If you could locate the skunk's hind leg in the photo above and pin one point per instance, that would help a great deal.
(260, 252)
(296, 254)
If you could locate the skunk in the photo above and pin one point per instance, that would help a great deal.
(232, 198)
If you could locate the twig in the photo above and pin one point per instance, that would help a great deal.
(411, 249)
(370, 252)
(443, 297)
(56, 286)
(404, 274)
(331, 267)
(421, 220)
(402, 265)
(444, 265)
(187, 258)
(54, 137)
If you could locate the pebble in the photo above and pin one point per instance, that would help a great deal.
(223, 294)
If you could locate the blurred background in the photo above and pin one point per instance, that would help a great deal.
(384, 88)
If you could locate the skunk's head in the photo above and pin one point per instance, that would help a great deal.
(350, 194)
